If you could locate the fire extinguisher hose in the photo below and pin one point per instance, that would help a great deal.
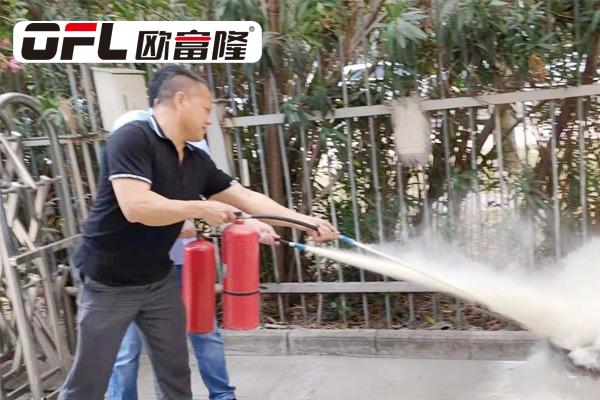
(278, 218)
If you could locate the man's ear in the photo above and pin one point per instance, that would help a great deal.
(178, 99)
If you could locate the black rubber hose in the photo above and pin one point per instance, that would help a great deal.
(284, 219)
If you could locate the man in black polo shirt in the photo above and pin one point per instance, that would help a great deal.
(151, 182)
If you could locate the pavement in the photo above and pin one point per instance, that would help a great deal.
(305, 377)
(363, 365)
(356, 378)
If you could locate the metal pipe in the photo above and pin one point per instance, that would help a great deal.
(236, 132)
(334, 222)
(582, 171)
(555, 200)
(288, 187)
(351, 172)
(446, 145)
(581, 136)
(376, 185)
(499, 153)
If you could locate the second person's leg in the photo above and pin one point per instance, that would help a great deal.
(210, 356)
(123, 381)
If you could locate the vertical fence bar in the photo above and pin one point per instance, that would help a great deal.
(446, 140)
(89, 169)
(403, 215)
(499, 155)
(530, 214)
(218, 263)
(340, 271)
(96, 144)
(288, 187)
(333, 213)
(475, 179)
(49, 284)
(62, 187)
(502, 184)
(427, 218)
(582, 170)
(93, 115)
(531, 230)
(259, 139)
(77, 180)
(265, 185)
(351, 172)
(308, 194)
(374, 167)
(554, 159)
(446, 144)
(447, 167)
(580, 125)
(236, 131)
(555, 200)
(375, 175)
(404, 231)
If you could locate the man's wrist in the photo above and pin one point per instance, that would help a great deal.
(193, 209)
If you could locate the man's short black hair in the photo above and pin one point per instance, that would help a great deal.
(163, 84)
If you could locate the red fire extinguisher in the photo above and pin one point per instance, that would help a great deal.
(241, 297)
(198, 285)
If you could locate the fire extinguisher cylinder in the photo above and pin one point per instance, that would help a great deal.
(198, 285)
(241, 297)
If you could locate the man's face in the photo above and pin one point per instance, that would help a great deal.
(195, 112)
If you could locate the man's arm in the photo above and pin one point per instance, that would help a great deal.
(256, 203)
(139, 204)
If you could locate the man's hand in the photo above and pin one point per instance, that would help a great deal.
(325, 231)
(266, 233)
(188, 231)
(215, 213)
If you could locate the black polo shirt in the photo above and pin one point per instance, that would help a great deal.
(117, 252)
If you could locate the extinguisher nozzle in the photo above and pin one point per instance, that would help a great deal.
(295, 245)
(300, 246)
(347, 240)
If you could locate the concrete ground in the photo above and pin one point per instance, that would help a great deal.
(310, 377)
(303, 364)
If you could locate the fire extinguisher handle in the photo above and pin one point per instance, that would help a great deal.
(211, 235)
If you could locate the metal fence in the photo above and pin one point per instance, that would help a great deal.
(380, 200)
(496, 196)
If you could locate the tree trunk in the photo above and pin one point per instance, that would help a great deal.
(274, 169)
